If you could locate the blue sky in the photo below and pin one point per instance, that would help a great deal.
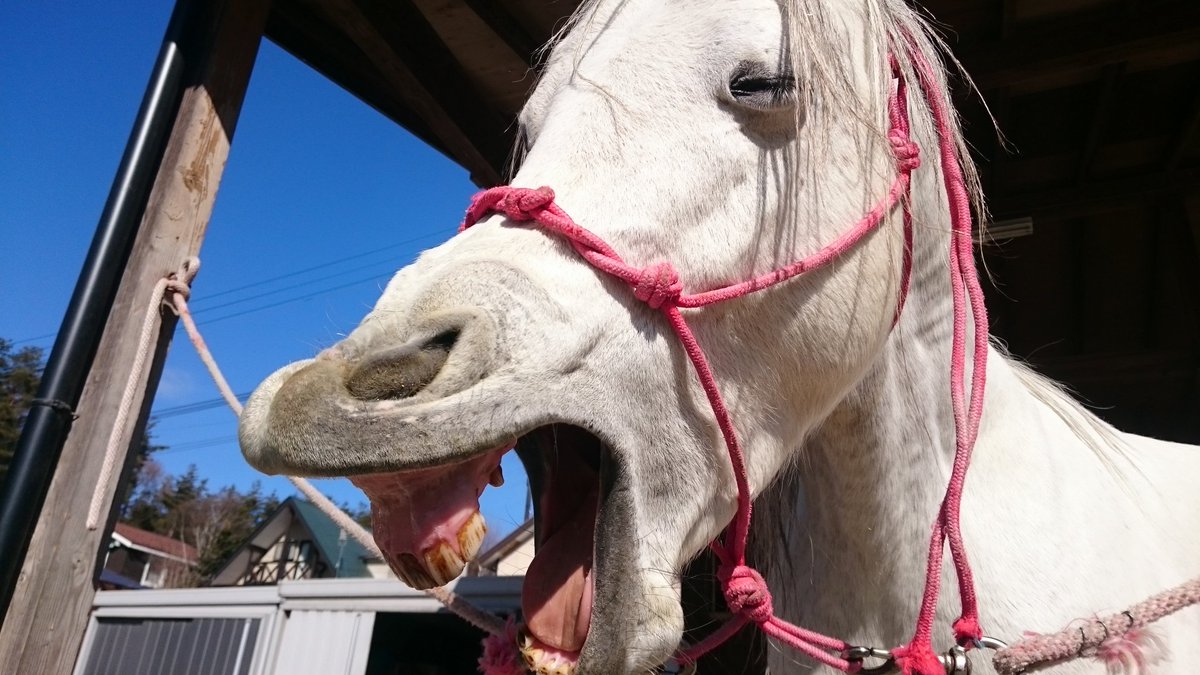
(319, 187)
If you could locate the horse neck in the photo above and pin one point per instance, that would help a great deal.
(843, 534)
(846, 528)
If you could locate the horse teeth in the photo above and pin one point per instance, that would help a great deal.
(412, 572)
(542, 662)
(443, 563)
(470, 535)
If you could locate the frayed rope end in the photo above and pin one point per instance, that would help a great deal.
(500, 654)
(967, 631)
(1133, 653)
(918, 661)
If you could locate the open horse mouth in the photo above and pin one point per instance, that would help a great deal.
(428, 525)
(421, 428)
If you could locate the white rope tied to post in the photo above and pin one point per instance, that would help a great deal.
(178, 284)
(483, 620)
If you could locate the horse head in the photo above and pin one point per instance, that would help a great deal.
(728, 139)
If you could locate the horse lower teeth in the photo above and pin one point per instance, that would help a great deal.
(540, 661)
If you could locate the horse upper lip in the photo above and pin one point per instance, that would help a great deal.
(372, 405)
(303, 421)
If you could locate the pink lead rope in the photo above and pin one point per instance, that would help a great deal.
(658, 285)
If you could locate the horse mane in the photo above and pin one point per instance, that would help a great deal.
(1085, 425)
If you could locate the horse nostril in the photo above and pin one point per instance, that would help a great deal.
(400, 372)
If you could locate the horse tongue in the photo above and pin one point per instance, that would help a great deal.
(557, 595)
(427, 522)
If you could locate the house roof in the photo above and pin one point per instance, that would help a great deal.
(156, 543)
(348, 557)
(505, 547)
(333, 545)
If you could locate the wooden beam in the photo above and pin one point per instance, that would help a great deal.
(1191, 209)
(1110, 77)
(507, 28)
(53, 597)
(1008, 18)
(414, 39)
(1171, 34)
(307, 36)
(1187, 133)
(393, 36)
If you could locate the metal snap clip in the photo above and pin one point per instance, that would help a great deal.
(955, 661)
(986, 642)
(860, 654)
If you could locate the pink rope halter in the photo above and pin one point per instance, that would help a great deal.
(658, 285)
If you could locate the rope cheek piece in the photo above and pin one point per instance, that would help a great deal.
(658, 285)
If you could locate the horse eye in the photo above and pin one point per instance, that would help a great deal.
(763, 92)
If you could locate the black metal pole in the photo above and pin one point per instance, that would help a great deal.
(49, 421)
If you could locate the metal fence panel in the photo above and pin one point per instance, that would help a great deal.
(172, 646)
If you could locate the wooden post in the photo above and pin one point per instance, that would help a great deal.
(44, 626)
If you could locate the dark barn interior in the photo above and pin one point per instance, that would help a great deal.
(1099, 103)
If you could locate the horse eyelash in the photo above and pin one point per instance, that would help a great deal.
(763, 91)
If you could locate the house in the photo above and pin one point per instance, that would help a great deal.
(140, 559)
(298, 541)
(509, 557)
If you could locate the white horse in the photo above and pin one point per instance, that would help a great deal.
(729, 138)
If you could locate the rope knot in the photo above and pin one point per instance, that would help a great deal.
(658, 285)
(746, 594)
(180, 283)
(907, 153)
(523, 204)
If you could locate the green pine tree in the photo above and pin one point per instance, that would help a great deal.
(20, 373)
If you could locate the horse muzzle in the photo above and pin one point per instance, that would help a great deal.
(367, 407)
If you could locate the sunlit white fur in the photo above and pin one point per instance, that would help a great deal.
(846, 421)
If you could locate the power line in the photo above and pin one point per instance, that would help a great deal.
(198, 444)
(207, 308)
(323, 265)
(35, 338)
(208, 296)
(287, 301)
(197, 406)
